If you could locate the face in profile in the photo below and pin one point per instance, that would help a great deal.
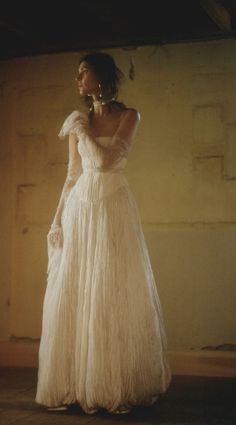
(87, 80)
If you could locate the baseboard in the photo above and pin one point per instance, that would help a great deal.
(19, 353)
(203, 363)
(192, 362)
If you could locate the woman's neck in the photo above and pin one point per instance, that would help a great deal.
(102, 107)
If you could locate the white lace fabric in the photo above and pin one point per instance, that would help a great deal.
(74, 170)
(100, 157)
(70, 123)
(103, 341)
(121, 141)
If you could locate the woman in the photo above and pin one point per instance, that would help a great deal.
(103, 342)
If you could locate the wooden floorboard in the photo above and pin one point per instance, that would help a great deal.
(189, 400)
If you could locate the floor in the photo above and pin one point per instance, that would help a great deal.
(189, 400)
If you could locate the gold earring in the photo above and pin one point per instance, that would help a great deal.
(100, 87)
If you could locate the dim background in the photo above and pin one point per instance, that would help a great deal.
(181, 170)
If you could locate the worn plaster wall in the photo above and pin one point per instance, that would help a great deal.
(182, 171)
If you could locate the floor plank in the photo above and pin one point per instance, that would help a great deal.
(190, 400)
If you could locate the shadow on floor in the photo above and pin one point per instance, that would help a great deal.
(190, 400)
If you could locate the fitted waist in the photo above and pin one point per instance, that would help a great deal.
(103, 170)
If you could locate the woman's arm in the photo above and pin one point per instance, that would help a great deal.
(105, 156)
(74, 169)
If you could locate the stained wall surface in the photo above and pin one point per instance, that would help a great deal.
(182, 171)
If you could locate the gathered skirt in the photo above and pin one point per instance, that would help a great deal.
(103, 341)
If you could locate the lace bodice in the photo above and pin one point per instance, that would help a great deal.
(104, 158)
(93, 149)
(88, 162)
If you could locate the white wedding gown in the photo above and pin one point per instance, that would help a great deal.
(103, 341)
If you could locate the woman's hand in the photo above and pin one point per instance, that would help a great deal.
(55, 236)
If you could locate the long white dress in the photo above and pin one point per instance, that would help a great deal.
(103, 341)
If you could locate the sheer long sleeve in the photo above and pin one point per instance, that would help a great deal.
(74, 170)
(120, 146)
(74, 167)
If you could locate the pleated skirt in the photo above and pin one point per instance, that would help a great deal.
(103, 342)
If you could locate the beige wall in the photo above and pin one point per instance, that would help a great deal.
(182, 171)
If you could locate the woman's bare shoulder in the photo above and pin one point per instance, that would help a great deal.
(132, 113)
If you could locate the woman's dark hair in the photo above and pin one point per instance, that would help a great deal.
(109, 74)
